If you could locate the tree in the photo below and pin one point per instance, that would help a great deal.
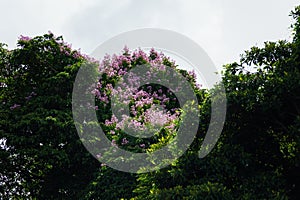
(43, 157)
(142, 99)
(257, 154)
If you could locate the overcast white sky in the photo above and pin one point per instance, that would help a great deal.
(224, 28)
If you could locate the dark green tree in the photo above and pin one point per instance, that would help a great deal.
(42, 157)
(257, 156)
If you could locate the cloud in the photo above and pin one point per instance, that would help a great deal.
(249, 23)
(35, 17)
(223, 28)
(104, 20)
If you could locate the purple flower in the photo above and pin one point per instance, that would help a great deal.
(162, 67)
(28, 98)
(77, 54)
(112, 132)
(99, 155)
(126, 50)
(192, 74)
(113, 143)
(140, 54)
(148, 108)
(96, 92)
(124, 141)
(99, 85)
(15, 106)
(198, 85)
(24, 38)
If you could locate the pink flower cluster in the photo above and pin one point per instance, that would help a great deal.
(149, 106)
(24, 38)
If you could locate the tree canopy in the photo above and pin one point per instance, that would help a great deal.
(42, 156)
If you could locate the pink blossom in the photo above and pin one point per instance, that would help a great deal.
(140, 54)
(28, 97)
(96, 92)
(113, 120)
(15, 106)
(162, 67)
(114, 143)
(109, 87)
(144, 113)
(99, 155)
(24, 38)
(99, 85)
(126, 50)
(124, 141)
(192, 74)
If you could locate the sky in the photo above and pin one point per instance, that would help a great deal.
(223, 28)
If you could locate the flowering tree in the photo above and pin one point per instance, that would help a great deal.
(153, 107)
(41, 154)
(257, 155)
(42, 157)
(154, 113)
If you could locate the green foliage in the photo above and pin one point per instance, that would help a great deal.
(110, 184)
(192, 192)
(257, 156)
(43, 157)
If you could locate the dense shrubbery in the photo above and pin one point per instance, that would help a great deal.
(257, 156)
